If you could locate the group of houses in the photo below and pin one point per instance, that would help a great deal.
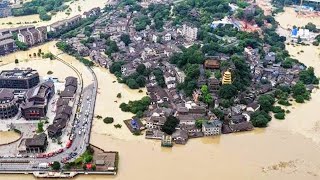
(63, 110)
(31, 35)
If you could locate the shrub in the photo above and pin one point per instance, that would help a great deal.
(284, 102)
(277, 109)
(16, 61)
(108, 120)
(119, 95)
(117, 125)
(299, 99)
(280, 115)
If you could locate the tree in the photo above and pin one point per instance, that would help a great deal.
(260, 119)
(132, 84)
(125, 38)
(266, 102)
(108, 120)
(141, 69)
(88, 158)
(141, 81)
(308, 77)
(299, 89)
(40, 127)
(218, 113)
(16, 61)
(227, 91)
(56, 165)
(280, 115)
(199, 123)
(119, 95)
(170, 125)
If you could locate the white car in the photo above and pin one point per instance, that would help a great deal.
(80, 132)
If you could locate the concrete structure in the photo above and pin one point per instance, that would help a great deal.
(67, 23)
(210, 128)
(189, 32)
(5, 9)
(19, 79)
(7, 44)
(8, 104)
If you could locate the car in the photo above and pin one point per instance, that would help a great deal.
(80, 132)
(75, 149)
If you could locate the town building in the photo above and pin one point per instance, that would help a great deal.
(180, 136)
(213, 84)
(19, 78)
(32, 35)
(212, 64)
(70, 88)
(189, 32)
(210, 128)
(8, 104)
(36, 144)
(5, 9)
(36, 101)
(64, 24)
(7, 44)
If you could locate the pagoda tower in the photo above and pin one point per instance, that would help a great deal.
(226, 79)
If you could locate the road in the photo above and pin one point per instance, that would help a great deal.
(81, 130)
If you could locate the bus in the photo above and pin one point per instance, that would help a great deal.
(69, 143)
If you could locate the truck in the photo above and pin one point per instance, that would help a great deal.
(43, 165)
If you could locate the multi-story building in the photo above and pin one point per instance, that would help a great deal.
(38, 143)
(5, 9)
(189, 32)
(60, 25)
(36, 101)
(7, 44)
(210, 128)
(31, 35)
(8, 104)
(19, 79)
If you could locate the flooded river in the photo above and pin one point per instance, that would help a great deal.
(287, 149)
(75, 7)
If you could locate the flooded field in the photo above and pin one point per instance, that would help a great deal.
(75, 7)
(290, 18)
(8, 136)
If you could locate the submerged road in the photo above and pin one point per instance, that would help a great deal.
(81, 128)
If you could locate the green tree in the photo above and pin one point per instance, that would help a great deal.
(260, 119)
(170, 125)
(141, 69)
(56, 165)
(125, 38)
(227, 91)
(266, 102)
(108, 120)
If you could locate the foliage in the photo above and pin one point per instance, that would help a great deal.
(199, 123)
(308, 77)
(260, 119)
(125, 38)
(108, 120)
(21, 45)
(206, 96)
(280, 115)
(218, 113)
(157, 72)
(40, 127)
(170, 125)
(49, 55)
(117, 126)
(49, 72)
(136, 106)
(277, 109)
(227, 91)
(56, 165)
(119, 95)
(266, 102)
(16, 61)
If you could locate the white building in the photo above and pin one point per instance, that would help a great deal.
(189, 32)
(211, 128)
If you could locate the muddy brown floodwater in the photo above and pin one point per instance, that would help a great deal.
(287, 149)
(8, 136)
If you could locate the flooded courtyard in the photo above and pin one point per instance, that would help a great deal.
(8, 136)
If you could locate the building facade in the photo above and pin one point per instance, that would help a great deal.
(8, 104)
(19, 79)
